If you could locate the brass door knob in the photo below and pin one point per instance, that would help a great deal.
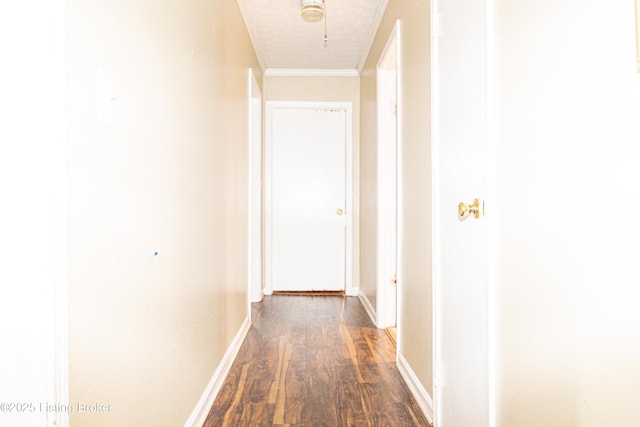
(464, 210)
(339, 212)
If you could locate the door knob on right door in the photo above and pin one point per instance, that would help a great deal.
(464, 209)
(339, 212)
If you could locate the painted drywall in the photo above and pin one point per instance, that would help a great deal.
(567, 115)
(32, 219)
(158, 200)
(414, 196)
(326, 89)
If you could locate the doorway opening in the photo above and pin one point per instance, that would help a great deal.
(388, 113)
(255, 249)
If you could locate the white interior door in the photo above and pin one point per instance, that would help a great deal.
(34, 362)
(387, 227)
(461, 310)
(306, 187)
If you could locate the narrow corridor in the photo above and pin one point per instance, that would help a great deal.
(314, 361)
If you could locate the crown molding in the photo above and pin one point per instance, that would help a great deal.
(299, 72)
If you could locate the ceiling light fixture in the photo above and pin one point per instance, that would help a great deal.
(312, 10)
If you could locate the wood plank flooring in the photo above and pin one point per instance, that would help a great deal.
(314, 361)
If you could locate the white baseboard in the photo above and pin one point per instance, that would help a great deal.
(257, 297)
(419, 393)
(368, 307)
(201, 411)
(352, 291)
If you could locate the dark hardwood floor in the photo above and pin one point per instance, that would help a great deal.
(314, 361)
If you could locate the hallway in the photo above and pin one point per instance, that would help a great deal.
(133, 234)
(314, 361)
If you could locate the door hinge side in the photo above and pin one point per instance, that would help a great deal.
(436, 25)
(437, 377)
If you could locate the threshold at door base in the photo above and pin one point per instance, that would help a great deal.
(311, 293)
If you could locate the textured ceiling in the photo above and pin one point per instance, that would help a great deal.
(284, 41)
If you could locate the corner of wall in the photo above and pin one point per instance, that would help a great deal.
(201, 411)
(368, 307)
(421, 395)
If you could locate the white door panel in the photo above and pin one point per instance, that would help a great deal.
(462, 389)
(307, 182)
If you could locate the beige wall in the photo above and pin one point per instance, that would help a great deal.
(168, 176)
(567, 111)
(326, 89)
(414, 263)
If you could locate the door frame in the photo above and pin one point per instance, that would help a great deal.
(434, 24)
(347, 107)
(59, 375)
(387, 75)
(255, 248)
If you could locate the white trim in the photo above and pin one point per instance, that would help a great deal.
(301, 72)
(368, 307)
(201, 411)
(435, 205)
(349, 289)
(372, 36)
(492, 219)
(254, 267)
(387, 173)
(60, 371)
(417, 390)
(248, 23)
(266, 201)
(400, 190)
(352, 291)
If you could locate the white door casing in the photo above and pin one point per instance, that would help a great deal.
(461, 291)
(307, 183)
(255, 191)
(387, 167)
